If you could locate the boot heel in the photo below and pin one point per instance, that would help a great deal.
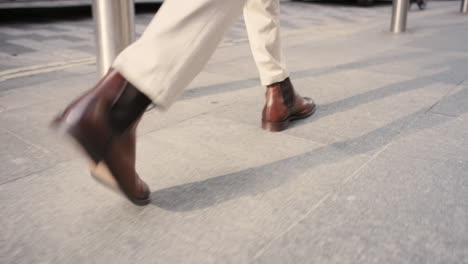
(275, 127)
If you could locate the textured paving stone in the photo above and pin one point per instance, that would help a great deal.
(377, 175)
(50, 36)
(15, 99)
(190, 218)
(376, 218)
(32, 124)
(439, 137)
(20, 157)
(454, 103)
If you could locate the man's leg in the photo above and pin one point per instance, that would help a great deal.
(263, 28)
(175, 46)
(171, 52)
(283, 104)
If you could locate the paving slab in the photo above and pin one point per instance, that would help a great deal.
(437, 137)
(375, 218)
(454, 104)
(222, 218)
(21, 157)
(32, 124)
(16, 99)
(377, 175)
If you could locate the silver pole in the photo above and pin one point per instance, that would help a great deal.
(115, 29)
(399, 15)
(464, 6)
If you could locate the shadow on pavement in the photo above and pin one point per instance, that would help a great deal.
(252, 181)
(203, 194)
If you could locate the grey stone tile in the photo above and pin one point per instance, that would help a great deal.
(215, 85)
(352, 114)
(332, 92)
(208, 93)
(32, 123)
(438, 137)
(15, 99)
(52, 224)
(436, 67)
(43, 80)
(390, 102)
(377, 175)
(379, 51)
(437, 41)
(372, 117)
(209, 204)
(182, 110)
(242, 181)
(454, 103)
(243, 67)
(11, 61)
(399, 210)
(231, 145)
(82, 70)
(247, 111)
(85, 48)
(246, 106)
(351, 87)
(14, 49)
(19, 157)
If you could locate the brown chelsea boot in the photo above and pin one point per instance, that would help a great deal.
(103, 123)
(284, 105)
(125, 166)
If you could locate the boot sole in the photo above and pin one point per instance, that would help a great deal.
(280, 126)
(99, 170)
(102, 174)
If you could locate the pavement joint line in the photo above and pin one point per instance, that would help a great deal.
(41, 66)
(441, 114)
(33, 173)
(46, 70)
(318, 204)
(356, 172)
(429, 110)
(315, 207)
(41, 148)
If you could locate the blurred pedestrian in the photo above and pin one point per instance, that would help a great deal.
(157, 67)
(422, 4)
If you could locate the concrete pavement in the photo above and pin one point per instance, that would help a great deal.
(378, 175)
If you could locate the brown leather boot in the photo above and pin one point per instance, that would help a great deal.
(284, 105)
(125, 165)
(102, 122)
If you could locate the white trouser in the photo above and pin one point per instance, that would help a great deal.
(183, 35)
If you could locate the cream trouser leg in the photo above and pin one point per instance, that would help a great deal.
(177, 44)
(263, 27)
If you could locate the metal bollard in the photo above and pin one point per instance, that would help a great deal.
(464, 6)
(399, 16)
(115, 29)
